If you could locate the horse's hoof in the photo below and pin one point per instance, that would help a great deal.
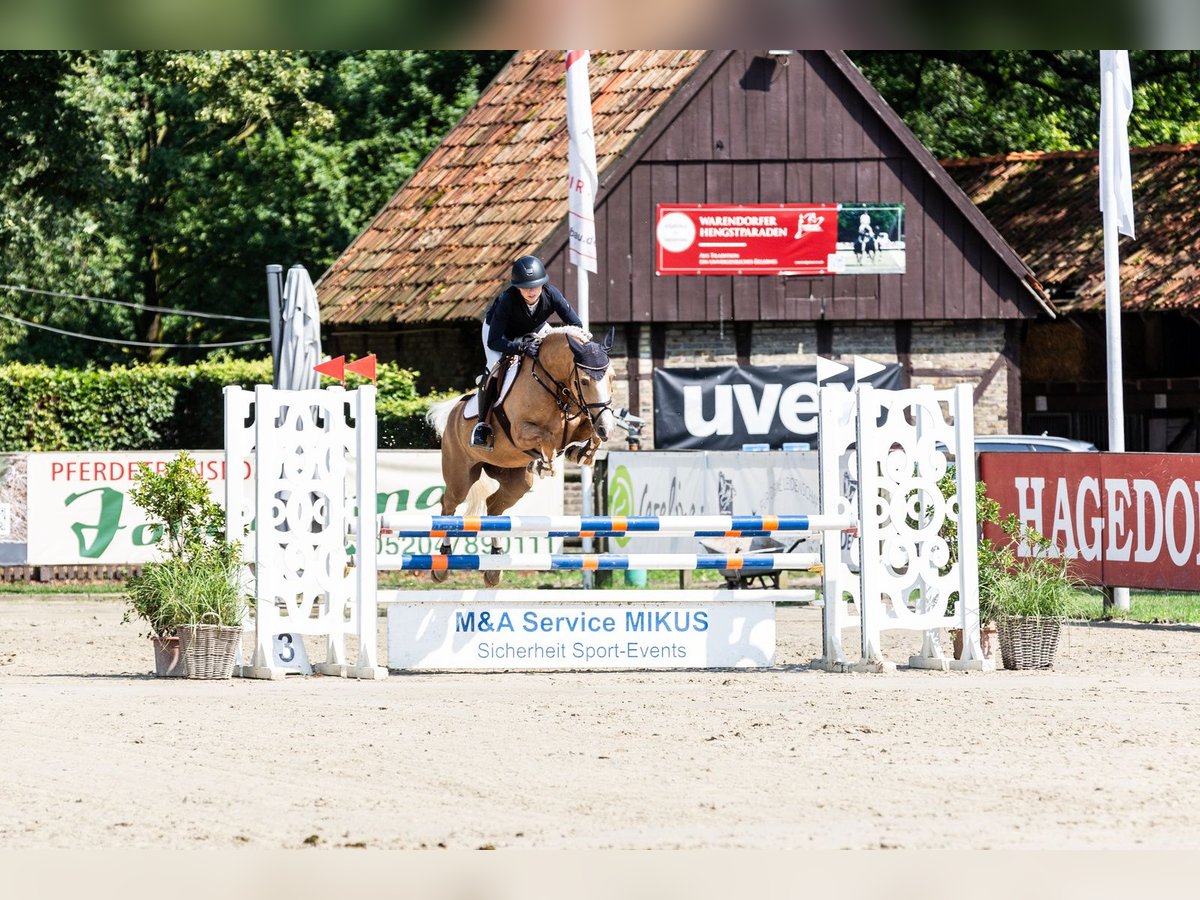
(491, 579)
(439, 575)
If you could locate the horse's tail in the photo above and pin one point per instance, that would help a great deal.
(476, 501)
(439, 414)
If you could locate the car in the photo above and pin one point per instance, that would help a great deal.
(1024, 443)
(1030, 443)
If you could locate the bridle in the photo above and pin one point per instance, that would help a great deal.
(571, 404)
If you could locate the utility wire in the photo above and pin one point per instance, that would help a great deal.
(92, 337)
(165, 309)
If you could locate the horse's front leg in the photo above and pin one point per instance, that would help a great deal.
(535, 438)
(583, 452)
(440, 575)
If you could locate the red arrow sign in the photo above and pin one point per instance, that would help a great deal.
(364, 367)
(334, 368)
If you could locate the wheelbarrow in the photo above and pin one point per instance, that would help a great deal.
(744, 579)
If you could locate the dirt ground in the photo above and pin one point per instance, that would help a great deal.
(1098, 753)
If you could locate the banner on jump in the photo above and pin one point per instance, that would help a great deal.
(779, 239)
(516, 635)
(723, 408)
(1125, 519)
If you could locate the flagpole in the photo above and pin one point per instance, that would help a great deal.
(581, 194)
(1112, 298)
(1112, 301)
(585, 472)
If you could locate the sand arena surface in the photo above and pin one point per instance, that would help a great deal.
(1098, 753)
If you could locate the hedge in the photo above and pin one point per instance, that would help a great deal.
(166, 407)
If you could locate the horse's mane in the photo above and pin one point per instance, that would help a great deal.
(573, 330)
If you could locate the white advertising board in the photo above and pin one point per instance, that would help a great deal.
(683, 483)
(79, 509)
(523, 633)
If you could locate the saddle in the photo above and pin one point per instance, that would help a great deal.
(499, 380)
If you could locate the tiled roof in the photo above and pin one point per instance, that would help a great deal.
(1047, 207)
(441, 247)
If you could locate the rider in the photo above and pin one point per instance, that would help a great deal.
(865, 231)
(522, 308)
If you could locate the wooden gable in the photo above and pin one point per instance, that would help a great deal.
(748, 128)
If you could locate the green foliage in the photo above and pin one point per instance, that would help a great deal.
(136, 408)
(171, 178)
(171, 592)
(164, 407)
(986, 510)
(179, 498)
(980, 103)
(401, 410)
(1024, 578)
(203, 590)
(199, 581)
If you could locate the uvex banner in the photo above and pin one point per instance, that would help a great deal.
(1127, 519)
(722, 408)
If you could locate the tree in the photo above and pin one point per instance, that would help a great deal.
(171, 179)
(962, 104)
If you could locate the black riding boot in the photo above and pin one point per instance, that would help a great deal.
(482, 437)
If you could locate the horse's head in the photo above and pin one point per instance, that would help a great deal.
(595, 380)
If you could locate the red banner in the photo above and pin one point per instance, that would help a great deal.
(1127, 519)
(747, 239)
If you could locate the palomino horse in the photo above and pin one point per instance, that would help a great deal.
(559, 403)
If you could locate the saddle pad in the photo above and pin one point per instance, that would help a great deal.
(471, 407)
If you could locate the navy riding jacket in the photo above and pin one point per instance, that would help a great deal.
(510, 318)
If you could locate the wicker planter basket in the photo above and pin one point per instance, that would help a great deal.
(210, 650)
(1028, 642)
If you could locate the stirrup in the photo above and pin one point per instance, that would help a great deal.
(482, 437)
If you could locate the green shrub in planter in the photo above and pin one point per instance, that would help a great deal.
(203, 589)
(1036, 584)
(1030, 592)
(198, 580)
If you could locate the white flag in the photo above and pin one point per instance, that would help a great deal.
(581, 163)
(1116, 102)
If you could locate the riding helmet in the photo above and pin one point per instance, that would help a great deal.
(528, 272)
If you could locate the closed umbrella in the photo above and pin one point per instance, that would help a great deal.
(300, 343)
(299, 351)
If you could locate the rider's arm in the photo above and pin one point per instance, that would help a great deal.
(559, 304)
(496, 338)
